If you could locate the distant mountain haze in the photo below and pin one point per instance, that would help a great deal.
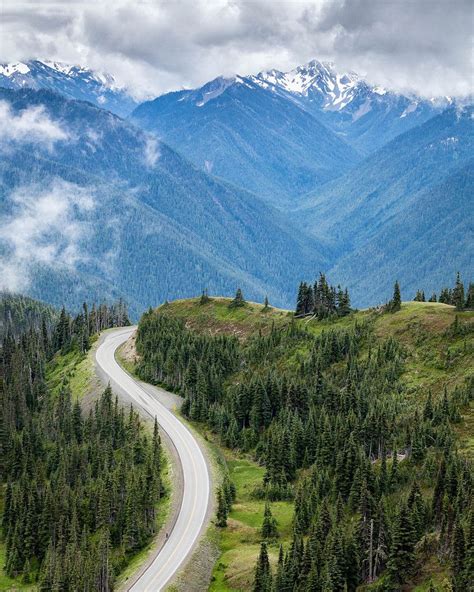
(251, 181)
(155, 227)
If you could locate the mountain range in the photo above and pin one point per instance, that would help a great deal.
(140, 221)
(74, 82)
(257, 181)
(406, 211)
(257, 139)
(366, 116)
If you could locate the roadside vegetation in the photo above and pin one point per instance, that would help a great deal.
(82, 493)
(347, 426)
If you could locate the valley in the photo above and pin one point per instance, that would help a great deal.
(252, 180)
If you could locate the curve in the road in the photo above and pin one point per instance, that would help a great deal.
(196, 493)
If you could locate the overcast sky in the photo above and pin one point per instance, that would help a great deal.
(151, 46)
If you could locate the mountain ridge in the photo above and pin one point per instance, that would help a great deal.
(176, 224)
(248, 136)
(71, 81)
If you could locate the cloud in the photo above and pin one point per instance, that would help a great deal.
(152, 151)
(44, 227)
(419, 45)
(32, 125)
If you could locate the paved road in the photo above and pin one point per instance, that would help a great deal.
(194, 505)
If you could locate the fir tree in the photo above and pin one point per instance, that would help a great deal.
(458, 293)
(396, 302)
(238, 299)
(204, 298)
(222, 509)
(269, 526)
(263, 575)
(470, 297)
(402, 557)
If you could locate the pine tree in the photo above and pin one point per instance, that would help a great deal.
(269, 526)
(263, 575)
(470, 297)
(402, 557)
(300, 300)
(458, 293)
(396, 302)
(266, 304)
(222, 509)
(238, 299)
(458, 558)
(204, 297)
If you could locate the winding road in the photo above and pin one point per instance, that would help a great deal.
(196, 491)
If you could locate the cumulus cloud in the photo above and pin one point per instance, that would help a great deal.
(30, 125)
(44, 227)
(419, 45)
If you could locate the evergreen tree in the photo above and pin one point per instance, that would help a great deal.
(458, 293)
(458, 558)
(396, 302)
(238, 299)
(402, 557)
(222, 509)
(470, 297)
(269, 526)
(204, 297)
(263, 575)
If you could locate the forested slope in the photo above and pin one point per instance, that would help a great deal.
(79, 492)
(129, 217)
(362, 421)
(405, 211)
(249, 136)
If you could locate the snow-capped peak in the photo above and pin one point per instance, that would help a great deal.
(58, 66)
(334, 90)
(31, 68)
(72, 81)
(106, 80)
(10, 69)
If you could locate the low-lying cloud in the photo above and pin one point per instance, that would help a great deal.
(45, 227)
(32, 125)
(152, 151)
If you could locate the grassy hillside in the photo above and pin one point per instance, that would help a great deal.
(435, 357)
(437, 345)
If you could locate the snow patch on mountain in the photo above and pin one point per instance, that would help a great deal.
(334, 90)
(10, 69)
(69, 80)
(410, 109)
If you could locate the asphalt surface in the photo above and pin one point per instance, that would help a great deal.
(196, 491)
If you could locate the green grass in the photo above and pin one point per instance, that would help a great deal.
(7, 583)
(240, 540)
(216, 316)
(74, 368)
(434, 358)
